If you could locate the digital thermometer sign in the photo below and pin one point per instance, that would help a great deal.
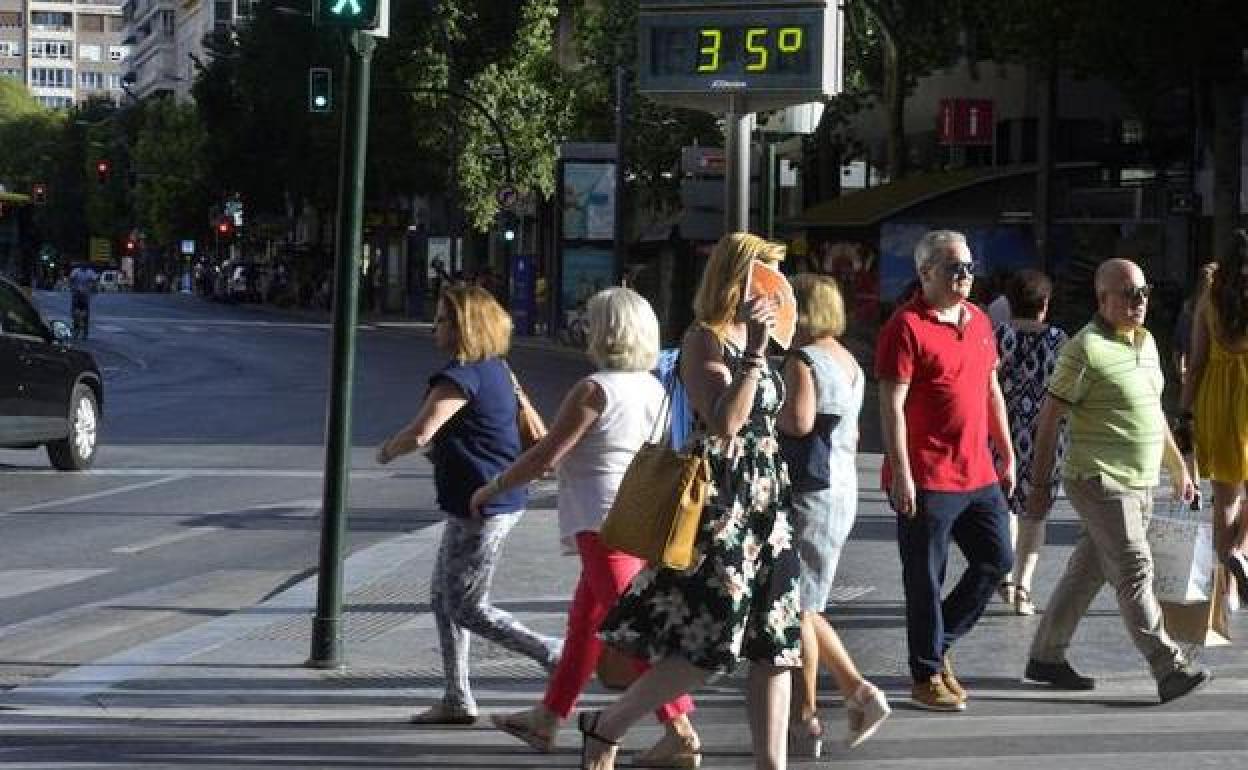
(772, 54)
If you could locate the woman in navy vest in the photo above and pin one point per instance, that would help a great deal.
(469, 418)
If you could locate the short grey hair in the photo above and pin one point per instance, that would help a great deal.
(933, 242)
(623, 331)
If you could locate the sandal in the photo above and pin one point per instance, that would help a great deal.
(806, 738)
(672, 750)
(587, 723)
(866, 709)
(1022, 602)
(525, 726)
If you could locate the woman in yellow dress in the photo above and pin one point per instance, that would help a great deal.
(1215, 403)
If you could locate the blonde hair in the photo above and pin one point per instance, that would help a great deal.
(482, 327)
(623, 331)
(723, 279)
(820, 309)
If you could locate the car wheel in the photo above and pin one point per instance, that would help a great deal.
(76, 451)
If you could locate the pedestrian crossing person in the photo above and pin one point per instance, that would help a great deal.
(468, 421)
(1108, 379)
(1028, 346)
(740, 599)
(1215, 406)
(940, 404)
(602, 422)
(824, 389)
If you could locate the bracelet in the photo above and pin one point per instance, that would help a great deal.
(752, 356)
(494, 485)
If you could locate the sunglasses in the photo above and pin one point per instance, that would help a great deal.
(961, 269)
(1134, 294)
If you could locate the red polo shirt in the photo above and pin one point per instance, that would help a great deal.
(949, 369)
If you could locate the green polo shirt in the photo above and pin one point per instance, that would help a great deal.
(1112, 383)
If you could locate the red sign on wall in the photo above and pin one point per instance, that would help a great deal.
(965, 122)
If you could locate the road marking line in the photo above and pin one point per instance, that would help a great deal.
(157, 542)
(166, 479)
(209, 473)
(15, 582)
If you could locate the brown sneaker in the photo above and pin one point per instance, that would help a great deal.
(950, 681)
(933, 695)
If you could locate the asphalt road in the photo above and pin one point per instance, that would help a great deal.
(206, 494)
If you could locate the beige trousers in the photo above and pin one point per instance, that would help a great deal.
(1113, 549)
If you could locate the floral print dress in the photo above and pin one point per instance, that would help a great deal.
(740, 599)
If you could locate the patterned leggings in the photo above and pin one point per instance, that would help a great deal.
(460, 596)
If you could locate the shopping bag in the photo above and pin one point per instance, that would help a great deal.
(1207, 623)
(1181, 540)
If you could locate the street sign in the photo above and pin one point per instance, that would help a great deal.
(506, 196)
(351, 14)
(766, 54)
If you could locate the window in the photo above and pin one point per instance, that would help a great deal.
(12, 73)
(116, 24)
(49, 77)
(51, 49)
(90, 22)
(52, 20)
(114, 81)
(166, 22)
(88, 52)
(56, 102)
(10, 20)
(118, 52)
(91, 81)
(10, 48)
(17, 316)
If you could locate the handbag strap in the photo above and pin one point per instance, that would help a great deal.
(665, 406)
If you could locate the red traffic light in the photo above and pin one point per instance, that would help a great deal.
(102, 167)
(130, 245)
(225, 227)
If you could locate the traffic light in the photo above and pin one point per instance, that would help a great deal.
(102, 169)
(320, 89)
(225, 227)
(39, 193)
(130, 246)
(352, 14)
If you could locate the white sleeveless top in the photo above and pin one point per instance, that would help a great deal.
(591, 472)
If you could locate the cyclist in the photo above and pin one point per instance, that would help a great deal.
(82, 282)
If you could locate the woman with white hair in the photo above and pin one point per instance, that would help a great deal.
(600, 426)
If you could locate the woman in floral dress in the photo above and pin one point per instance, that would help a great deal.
(1028, 348)
(740, 599)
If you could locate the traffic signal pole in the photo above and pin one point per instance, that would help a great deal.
(327, 623)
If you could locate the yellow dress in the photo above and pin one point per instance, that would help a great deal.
(1222, 409)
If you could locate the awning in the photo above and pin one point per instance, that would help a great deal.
(869, 207)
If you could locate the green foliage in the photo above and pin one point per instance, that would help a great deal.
(16, 101)
(607, 39)
(167, 161)
(523, 93)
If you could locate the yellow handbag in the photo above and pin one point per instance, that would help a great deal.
(658, 508)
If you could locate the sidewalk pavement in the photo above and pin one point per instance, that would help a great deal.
(233, 692)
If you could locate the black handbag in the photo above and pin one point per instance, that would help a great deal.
(808, 456)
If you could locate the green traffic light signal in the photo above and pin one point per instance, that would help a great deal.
(320, 89)
(353, 14)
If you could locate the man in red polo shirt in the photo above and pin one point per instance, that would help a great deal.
(936, 360)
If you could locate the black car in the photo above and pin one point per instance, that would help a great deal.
(50, 393)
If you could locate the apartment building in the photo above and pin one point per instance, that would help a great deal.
(168, 39)
(65, 51)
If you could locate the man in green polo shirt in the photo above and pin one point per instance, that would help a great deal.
(1109, 380)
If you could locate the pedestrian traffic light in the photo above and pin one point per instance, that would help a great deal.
(352, 14)
(39, 193)
(130, 245)
(102, 170)
(320, 89)
(225, 228)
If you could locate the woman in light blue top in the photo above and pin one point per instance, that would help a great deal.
(825, 387)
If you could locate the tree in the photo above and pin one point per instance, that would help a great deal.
(912, 37)
(169, 193)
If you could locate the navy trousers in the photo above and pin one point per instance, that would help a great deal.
(977, 522)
